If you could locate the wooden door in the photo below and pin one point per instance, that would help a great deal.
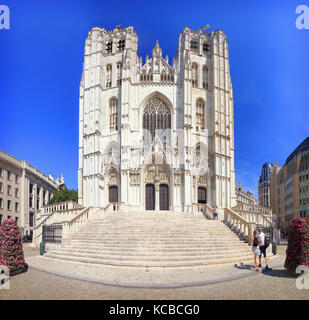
(150, 197)
(201, 195)
(113, 194)
(164, 197)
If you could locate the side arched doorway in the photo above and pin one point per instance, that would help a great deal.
(113, 193)
(201, 195)
(150, 196)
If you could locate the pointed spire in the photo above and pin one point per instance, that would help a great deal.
(157, 50)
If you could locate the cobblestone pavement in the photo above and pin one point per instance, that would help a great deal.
(34, 284)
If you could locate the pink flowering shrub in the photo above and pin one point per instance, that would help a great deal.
(297, 252)
(11, 249)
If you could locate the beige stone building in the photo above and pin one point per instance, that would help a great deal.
(243, 196)
(289, 187)
(23, 191)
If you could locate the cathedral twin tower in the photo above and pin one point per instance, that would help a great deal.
(156, 136)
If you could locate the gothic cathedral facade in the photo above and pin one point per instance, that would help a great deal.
(155, 135)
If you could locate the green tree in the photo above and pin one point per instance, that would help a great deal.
(64, 195)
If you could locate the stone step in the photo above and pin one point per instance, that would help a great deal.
(188, 263)
(155, 253)
(156, 247)
(152, 241)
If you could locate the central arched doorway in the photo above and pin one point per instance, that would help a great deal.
(150, 197)
(164, 197)
(157, 182)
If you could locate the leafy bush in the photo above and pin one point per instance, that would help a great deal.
(297, 252)
(11, 249)
(64, 195)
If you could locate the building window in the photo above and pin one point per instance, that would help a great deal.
(200, 115)
(9, 191)
(1, 173)
(121, 45)
(30, 202)
(113, 119)
(16, 220)
(108, 76)
(194, 75)
(16, 207)
(16, 192)
(205, 47)
(109, 46)
(119, 73)
(1, 203)
(1, 187)
(0, 219)
(9, 175)
(9, 204)
(16, 178)
(194, 45)
(205, 77)
(37, 204)
(31, 187)
(31, 219)
(157, 116)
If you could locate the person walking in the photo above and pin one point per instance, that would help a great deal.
(262, 247)
(255, 249)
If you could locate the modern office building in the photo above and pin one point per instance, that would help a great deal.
(264, 183)
(23, 191)
(290, 187)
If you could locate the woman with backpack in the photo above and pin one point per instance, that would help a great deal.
(255, 249)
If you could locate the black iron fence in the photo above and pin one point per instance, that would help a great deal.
(52, 233)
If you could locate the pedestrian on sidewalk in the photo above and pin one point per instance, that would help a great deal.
(255, 249)
(262, 247)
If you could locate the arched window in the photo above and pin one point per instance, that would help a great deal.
(205, 77)
(194, 75)
(157, 115)
(113, 119)
(119, 72)
(200, 115)
(108, 76)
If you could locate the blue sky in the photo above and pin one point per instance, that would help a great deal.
(41, 60)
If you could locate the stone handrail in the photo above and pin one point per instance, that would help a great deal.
(204, 208)
(239, 224)
(69, 228)
(53, 218)
(256, 217)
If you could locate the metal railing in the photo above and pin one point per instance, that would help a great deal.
(52, 233)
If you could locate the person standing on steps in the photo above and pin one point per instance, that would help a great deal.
(255, 249)
(262, 247)
(216, 213)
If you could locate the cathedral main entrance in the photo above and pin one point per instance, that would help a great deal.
(157, 187)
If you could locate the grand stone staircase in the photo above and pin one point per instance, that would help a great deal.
(153, 239)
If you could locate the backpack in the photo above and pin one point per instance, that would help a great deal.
(267, 241)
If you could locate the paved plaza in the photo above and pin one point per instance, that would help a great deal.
(35, 284)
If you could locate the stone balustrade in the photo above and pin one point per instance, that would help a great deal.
(239, 224)
(55, 217)
(204, 208)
